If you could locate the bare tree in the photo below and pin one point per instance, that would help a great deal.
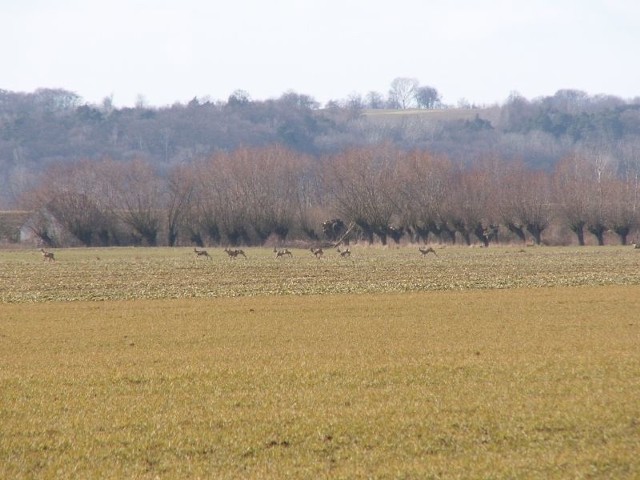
(571, 191)
(269, 179)
(364, 188)
(70, 195)
(214, 211)
(424, 182)
(528, 202)
(136, 197)
(402, 93)
(374, 100)
(600, 169)
(178, 200)
(249, 194)
(472, 201)
(623, 216)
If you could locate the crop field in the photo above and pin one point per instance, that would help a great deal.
(476, 363)
(136, 273)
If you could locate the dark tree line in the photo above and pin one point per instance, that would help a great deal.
(250, 196)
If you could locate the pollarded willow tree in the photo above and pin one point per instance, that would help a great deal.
(270, 181)
(624, 196)
(363, 187)
(246, 196)
(571, 184)
(217, 213)
(74, 196)
(527, 202)
(181, 188)
(472, 205)
(136, 197)
(423, 183)
(623, 209)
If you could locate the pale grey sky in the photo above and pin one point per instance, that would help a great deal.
(174, 50)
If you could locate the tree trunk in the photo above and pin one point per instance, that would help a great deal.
(196, 238)
(381, 232)
(367, 231)
(518, 230)
(536, 231)
(623, 232)
(578, 229)
(480, 232)
(462, 229)
(421, 233)
(444, 228)
(598, 231)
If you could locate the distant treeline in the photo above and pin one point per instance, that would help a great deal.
(382, 194)
(53, 126)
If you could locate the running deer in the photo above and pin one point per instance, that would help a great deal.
(47, 256)
(201, 253)
(234, 253)
(424, 251)
(318, 252)
(344, 253)
(282, 252)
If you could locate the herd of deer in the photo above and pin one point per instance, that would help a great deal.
(317, 252)
(232, 253)
(279, 253)
(284, 252)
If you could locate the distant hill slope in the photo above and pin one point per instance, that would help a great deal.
(440, 114)
(51, 126)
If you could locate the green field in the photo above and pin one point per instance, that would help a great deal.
(477, 363)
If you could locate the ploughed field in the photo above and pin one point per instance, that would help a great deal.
(475, 363)
(133, 273)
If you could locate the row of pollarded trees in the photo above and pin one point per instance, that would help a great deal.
(235, 198)
(250, 195)
(426, 196)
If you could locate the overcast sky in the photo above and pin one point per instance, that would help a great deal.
(173, 50)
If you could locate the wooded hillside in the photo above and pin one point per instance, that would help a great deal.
(50, 126)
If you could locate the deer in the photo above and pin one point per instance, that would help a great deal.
(424, 251)
(282, 253)
(201, 253)
(344, 253)
(234, 253)
(47, 256)
(318, 252)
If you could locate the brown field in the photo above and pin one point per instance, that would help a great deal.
(132, 273)
(435, 114)
(477, 363)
